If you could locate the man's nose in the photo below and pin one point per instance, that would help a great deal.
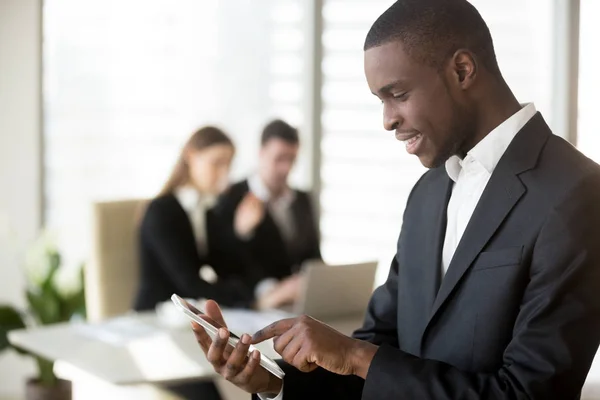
(391, 118)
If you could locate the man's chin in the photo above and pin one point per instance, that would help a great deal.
(429, 162)
(434, 160)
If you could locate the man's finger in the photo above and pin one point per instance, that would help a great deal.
(214, 312)
(281, 342)
(290, 351)
(202, 337)
(249, 370)
(249, 200)
(302, 363)
(215, 352)
(237, 360)
(251, 197)
(275, 329)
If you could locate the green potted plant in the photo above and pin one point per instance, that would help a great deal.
(54, 294)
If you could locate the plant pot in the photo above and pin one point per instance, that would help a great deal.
(36, 391)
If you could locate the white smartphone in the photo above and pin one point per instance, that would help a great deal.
(212, 327)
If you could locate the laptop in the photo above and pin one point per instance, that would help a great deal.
(331, 291)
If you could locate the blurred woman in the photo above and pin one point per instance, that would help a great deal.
(182, 241)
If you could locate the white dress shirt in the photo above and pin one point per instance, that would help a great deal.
(196, 206)
(470, 176)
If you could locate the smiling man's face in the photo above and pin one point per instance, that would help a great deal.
(420, 103)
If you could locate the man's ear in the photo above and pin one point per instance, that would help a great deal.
(463, 68)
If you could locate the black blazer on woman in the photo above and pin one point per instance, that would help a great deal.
(170, 260)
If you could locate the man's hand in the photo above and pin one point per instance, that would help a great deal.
(307, 344)
(234, 364)
(249, 213)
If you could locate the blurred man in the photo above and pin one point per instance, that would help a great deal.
(274, 224)
(494, 290)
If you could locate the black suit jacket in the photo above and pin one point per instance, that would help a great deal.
(170, 261)
(517, 315)
(266, 250)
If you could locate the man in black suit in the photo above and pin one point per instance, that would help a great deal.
(494, 292)
(274, 226)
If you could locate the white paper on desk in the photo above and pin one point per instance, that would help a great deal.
(247, 321)
(118, 331)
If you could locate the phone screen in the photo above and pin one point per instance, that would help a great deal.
(207, 318)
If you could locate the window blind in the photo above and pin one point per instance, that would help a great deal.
(126, 83)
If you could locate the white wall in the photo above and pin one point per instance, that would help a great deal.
(20, 176)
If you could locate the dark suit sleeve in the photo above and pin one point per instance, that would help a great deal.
(556, 333)
(381, 319)
(181, 263)
(318, 385)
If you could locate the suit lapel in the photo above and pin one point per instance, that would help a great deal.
(501, 194)
(432, 260)
(419, 257)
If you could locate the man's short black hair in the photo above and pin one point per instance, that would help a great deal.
(279, 129)
(433, 30)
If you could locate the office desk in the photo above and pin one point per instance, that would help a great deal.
(157, 354)
(168, 355)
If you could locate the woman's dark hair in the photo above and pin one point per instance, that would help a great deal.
(203, 138)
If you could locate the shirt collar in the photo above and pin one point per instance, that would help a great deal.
(491, 148)
(260, 190)
(190, 198)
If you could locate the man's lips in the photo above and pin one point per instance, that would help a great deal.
(404, 136)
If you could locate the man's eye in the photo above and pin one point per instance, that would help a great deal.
(400, 96)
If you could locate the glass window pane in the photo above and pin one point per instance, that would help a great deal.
(588, 136)
(126, 82)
